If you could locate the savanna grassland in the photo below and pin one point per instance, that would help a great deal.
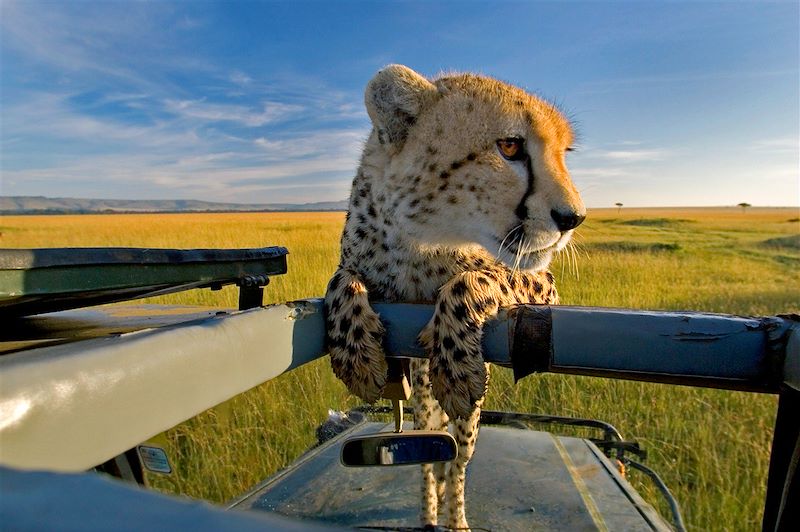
(710, 446)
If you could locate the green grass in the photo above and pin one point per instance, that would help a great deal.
(710, 446)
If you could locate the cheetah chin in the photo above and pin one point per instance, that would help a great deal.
(517, 253)
(461, 200)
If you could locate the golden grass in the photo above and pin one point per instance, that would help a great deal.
(711, 447)
(312, 240)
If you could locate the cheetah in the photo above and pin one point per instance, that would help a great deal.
(461, 200)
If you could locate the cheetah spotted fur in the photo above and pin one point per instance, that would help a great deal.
(461, 200)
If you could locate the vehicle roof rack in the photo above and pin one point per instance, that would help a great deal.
(36, 281)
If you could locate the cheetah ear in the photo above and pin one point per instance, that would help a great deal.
(394, 98)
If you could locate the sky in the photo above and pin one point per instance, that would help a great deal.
(675, 103)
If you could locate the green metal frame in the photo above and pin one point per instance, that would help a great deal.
(35, 281)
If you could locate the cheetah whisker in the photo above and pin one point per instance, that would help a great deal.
(503, 242)
(568, 262)
(522, 249)
(578, 248)
(518, 244)
(573, 253)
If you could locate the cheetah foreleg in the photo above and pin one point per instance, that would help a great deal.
(459, 377)
(428, 415)
(453, 336)
(354, 335)
(466, 434)
(458, 374)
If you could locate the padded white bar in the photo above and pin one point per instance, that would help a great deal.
(73, 406)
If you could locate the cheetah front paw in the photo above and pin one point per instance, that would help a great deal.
(459, 387)
(362, 368)
(354, 336)
(458, 374)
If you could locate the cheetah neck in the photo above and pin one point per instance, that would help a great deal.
(376, 244)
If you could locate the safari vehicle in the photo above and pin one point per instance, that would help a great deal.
(82, 386)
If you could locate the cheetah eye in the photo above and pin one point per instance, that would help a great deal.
(511, 148)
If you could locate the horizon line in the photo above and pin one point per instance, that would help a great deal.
(707, 206)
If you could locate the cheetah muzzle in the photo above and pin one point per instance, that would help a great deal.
(461, 200)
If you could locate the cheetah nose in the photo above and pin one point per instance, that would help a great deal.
(567, 220)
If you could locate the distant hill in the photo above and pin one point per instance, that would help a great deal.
(43, 205)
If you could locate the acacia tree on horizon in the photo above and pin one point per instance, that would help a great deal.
(744, 206)
(619, 207)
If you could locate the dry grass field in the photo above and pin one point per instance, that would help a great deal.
(711, 447)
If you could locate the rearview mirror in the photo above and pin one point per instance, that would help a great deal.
(403, 448)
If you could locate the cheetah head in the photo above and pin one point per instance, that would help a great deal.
(465, 160)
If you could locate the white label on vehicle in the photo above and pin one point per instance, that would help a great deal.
(154, 459)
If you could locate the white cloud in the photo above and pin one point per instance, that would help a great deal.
(600, 172)
(240, 78)
(223, 177)
(185, 153)
(632, 156)
(169, 158)
(208, 159)
(270, 112)
(92, 41)
(49, 116)
(314, 144)
(618, 167)
(617, 171)
(271, 146)
(777, 145)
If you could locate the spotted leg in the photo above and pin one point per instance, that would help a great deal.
(466, 434)
(453, 336)
(354, 334)
(459, 377)
(428, 415)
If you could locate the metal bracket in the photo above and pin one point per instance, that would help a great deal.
(251, 291)
(621, 447)
(397, 388)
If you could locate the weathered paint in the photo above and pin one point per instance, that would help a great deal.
(691, 348)
(518, 480)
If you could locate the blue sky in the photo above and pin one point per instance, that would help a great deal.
(675, 103)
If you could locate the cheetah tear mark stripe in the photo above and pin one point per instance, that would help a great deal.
(522, 211)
